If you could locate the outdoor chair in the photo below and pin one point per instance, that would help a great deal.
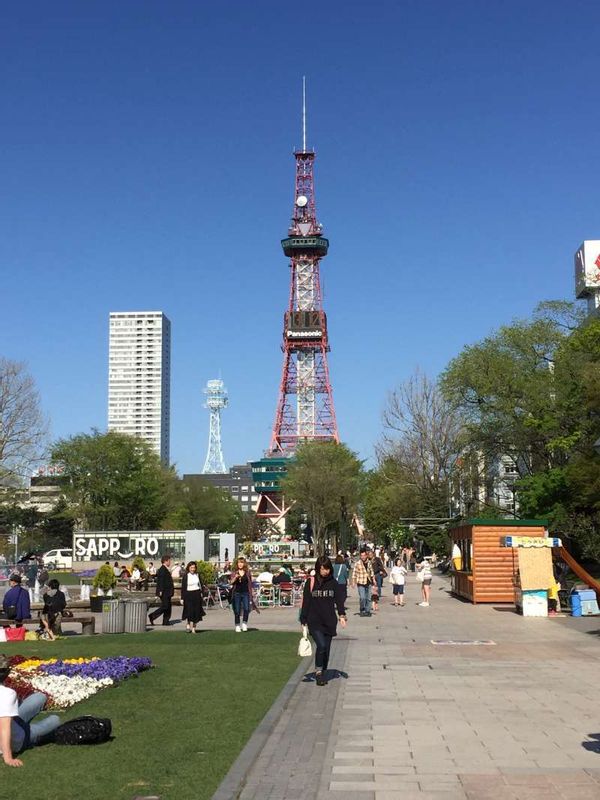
(266, 595)
(286, 594)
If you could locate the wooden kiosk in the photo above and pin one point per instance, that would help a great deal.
(488, 568)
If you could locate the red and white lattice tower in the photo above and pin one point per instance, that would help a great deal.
(305, 410)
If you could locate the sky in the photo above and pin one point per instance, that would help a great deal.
(147, 164)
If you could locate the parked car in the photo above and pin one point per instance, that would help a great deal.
(59, 559)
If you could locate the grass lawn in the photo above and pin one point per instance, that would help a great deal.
(177, 728)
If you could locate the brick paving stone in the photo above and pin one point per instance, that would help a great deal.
(414, 720)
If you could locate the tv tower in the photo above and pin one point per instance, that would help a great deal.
(305, 408)
(216, 399)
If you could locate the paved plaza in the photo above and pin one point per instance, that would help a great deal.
(405, 718)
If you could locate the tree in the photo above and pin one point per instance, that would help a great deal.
(113, 481)
(325, 479)
(390, 495)
(507, 391)
(422, 431)
(423, 437)
(202, 506)
(22, 426)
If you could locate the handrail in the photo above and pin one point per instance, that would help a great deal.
(577, 568)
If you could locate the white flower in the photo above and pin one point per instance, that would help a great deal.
(67, 691)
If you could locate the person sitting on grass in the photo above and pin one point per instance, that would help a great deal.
(17, 731)
(55, 603)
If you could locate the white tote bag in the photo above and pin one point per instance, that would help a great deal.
(304, 645)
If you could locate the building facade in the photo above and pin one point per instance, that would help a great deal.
(238, 482)
(139, 377)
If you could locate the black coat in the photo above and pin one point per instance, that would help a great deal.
(164, 582)
(319, 605)
(188, 598)
(54, 605)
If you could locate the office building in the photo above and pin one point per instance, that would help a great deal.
(238, 482)
(139, 377)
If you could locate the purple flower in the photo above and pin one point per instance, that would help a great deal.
(118, 668)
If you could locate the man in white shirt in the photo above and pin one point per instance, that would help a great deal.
(265, 577)
(16, 732)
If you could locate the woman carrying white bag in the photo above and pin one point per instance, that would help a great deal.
(322, 596)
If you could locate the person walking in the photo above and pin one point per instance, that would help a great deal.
(362, 577)
(379, 572)
(191, 597)
(424, 575)
(398, 579)
(322, 596)
(165, 590)
(241, 597)
(340, 573)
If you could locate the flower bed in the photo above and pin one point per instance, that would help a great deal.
(72, 680)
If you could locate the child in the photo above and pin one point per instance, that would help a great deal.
(375, 597)
(398, 579)
(553, 599)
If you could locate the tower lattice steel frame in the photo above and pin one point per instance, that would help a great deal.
(216, 400)
(305, 410)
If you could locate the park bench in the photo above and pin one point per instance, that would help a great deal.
(87, 622)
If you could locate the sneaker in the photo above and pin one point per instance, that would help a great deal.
(238, 629)
(424, 604)
(244, 626)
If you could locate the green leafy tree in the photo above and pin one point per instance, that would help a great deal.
(390, 495)
(325, 479)
(113, 481)
(202, 506)
(508, 393)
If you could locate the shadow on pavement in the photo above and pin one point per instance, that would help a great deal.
(330, 674)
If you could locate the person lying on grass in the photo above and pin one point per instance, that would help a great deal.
(17, 731)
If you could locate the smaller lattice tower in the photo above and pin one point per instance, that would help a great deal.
(216, 400)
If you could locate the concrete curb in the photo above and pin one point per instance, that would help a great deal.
(233, 783)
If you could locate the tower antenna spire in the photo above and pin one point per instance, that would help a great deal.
(304, 113)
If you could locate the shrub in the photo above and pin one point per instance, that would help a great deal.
(105, 578)
(206, 571)
(139, 562)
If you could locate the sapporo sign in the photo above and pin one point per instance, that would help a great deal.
(94, 548)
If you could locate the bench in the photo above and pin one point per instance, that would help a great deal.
(88, 623)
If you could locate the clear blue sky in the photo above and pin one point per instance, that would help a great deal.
(147, 164)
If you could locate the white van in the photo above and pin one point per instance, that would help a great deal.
(59, 559)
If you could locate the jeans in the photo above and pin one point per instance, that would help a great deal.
(241, 600)
(22, 733)
(323, 646)
(379, 579)
(364, 597)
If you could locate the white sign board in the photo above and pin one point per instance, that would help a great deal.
(587, 268)
(106, 547)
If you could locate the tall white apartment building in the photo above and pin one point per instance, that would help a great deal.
(139, 377)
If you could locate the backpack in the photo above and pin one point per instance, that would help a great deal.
(83, 730)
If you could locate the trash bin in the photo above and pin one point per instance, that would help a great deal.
(135, 615)
(575, 604)
(113, 616)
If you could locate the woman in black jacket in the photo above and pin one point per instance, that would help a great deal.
(322, 595)
(55, 603)
(191, 597)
